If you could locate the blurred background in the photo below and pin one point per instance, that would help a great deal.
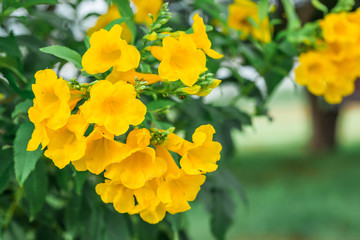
(292, 191)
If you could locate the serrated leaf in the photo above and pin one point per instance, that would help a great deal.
(116, 22)
(22, 108)
(64, 53)
(25, 161)
(35, 189)
(159, 104)
(125, 11)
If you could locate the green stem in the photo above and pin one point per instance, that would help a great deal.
(10, 212)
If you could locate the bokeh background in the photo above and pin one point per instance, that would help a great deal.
(292, 191)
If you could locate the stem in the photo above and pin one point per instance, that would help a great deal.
(10, 212)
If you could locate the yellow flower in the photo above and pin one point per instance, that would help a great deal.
(336, 27)
(39, 136)
(114, 106)
(163, 153)
(141, 166)
(239, 14)
(101, 151)
(348, 69)
(108, 49)
(144, 7)
(67, 143)
(147, 205)
(180, 59)
(130, 76)
(262, 31)
(177, 190)
(333, 94)
(201, 156)
(123, 197)
(109, 16)
(154, 213)
(314, 73)
(338, 51)
(52, 95)
(201, 39)
(176, 144)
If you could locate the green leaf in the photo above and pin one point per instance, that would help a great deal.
(25, 161)
(76, 212)
(35, 189)
(9, 46)
(22, 108)
(212, 8)
(125, 11)
(343, 5)
(159, 104)
(320, 6)
(163, 125)
(263, 9)
(15, 231)
(6, 162)
(87, 42)
(80, 179)
(11, 65)
(116, 225)
(223, 210)
(116, 22)
(64, 53)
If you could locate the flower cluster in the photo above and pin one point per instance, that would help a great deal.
(100, 126)
(148, 181)
(244, 16)
(182, 56)
(332, 69)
